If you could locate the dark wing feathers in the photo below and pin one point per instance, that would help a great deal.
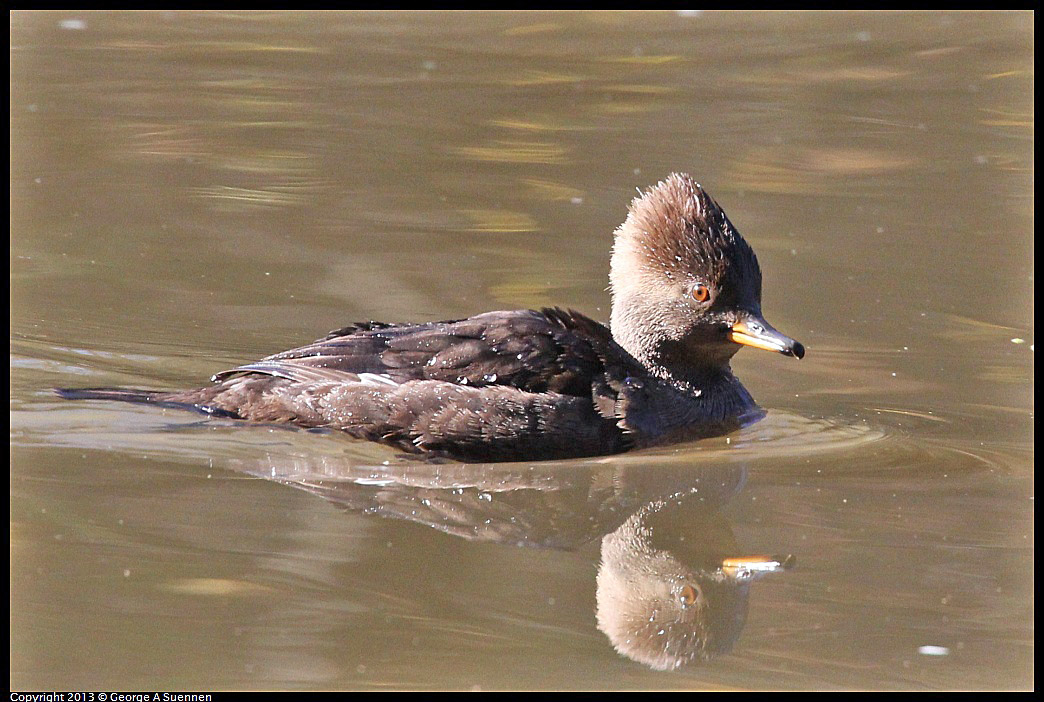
(550, 350)
(291, 370)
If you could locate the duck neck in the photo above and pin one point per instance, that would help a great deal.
(687, 374)
(672, 361)
(685, 400)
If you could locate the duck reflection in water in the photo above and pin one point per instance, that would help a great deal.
(671, 590)
(672, 585)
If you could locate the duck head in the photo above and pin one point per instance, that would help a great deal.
(686, 287)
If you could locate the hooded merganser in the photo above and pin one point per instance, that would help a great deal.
(536, 384)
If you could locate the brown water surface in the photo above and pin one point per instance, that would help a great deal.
(191, 191)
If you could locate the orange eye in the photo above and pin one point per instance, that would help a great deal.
(700, 292)
(688, 595)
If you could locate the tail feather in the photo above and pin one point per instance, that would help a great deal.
(120, 394)
(151, 397)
